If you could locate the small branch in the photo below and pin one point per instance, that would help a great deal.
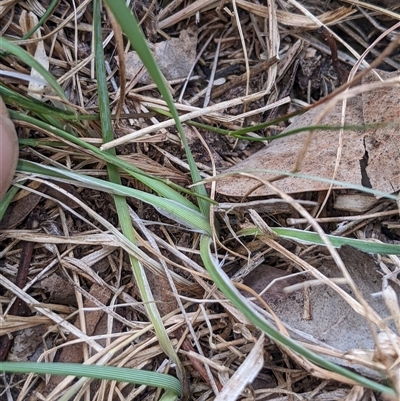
(342, 73)
(19, 308)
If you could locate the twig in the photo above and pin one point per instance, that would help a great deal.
(19, 307)
(342, 73)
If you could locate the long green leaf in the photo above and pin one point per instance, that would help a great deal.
(148, 378)
(314, 238)
(155, 184)
(225, 285)
(120, 201)
(32, 62)
(335, 183)
(129, 25)
(169, 207)
(28, 103)
(308, 237)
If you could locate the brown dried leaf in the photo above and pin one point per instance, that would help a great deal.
(11, 323)
(151, 166)
(333, 322)
(319, 161)
(381, 146)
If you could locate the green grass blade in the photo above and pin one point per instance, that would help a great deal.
(329, 181)
(314, 238)
(134, 376)
(129, 25)
(48, 11)
(28, 103)
(7, 199)
(157, 185)
(170, 208)
(120, 201)
(241, 133)
(225, 285)
(169, 396)
(28, 59)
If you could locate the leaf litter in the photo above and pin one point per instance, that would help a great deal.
(375, 147)
(92, 258)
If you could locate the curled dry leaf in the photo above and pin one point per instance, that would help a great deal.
(8, 149)
(369, 158)
(27, 22)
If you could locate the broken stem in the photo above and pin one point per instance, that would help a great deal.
(328, 38)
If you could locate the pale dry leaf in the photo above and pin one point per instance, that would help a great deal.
(27, 22)
(8, 149)
(386, 352)
(283, 17)
(174, 57)
(379, 148)
(356, 394)
(11, 323)
(382, 144)
(392, 303)
(333, 322)
(356, 203)
(281, 155)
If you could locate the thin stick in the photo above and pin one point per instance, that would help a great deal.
(330, 41)
(19, 307)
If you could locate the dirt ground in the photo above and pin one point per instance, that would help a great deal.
(274, 56)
